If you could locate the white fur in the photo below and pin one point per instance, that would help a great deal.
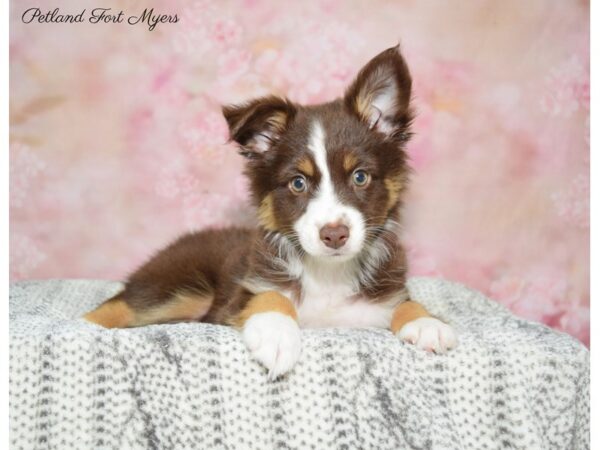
(263, 142)
(326, 208)
(273, 340)
(287, 258)
(330, 298)
(384, 104)
(429, 333)
(330, 288)
(373, 257)
(257, 285)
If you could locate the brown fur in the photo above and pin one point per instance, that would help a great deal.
(394, 185)
(201, 275)
(185, 306)
(369, 82)
(267, 114)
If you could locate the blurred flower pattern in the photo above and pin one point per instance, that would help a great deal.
(118, 144)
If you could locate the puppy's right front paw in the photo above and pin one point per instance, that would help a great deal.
(273, 339)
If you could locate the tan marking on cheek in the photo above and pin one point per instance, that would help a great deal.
(270, 301)
(406, 312)
(114, 313)
(266, 215)
(306, 167)
(394, 185)
(350, 162)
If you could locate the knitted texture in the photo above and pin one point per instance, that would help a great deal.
(510, 383)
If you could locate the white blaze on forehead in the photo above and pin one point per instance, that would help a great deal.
(325, 207)
(317, 146)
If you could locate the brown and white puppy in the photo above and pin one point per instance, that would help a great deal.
(328, 181)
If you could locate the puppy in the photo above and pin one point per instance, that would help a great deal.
(328, 182)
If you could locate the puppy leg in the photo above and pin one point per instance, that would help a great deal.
(270, 330)
(113, 313)
(412, 323)
(124, 311)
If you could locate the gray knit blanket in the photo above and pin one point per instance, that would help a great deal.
(510, 383)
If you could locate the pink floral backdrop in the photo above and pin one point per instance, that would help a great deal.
(118, 144)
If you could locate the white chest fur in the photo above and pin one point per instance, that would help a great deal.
(330, 299)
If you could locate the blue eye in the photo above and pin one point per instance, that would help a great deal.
(360, 177)
(298, 184)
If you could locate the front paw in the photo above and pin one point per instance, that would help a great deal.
(274, 340)
(429, 333)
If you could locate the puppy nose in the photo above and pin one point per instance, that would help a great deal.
(334, 235)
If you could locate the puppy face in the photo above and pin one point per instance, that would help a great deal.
(329, 176)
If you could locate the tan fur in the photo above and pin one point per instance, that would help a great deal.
(211, 263)
(363, 104)
(278, 120)
(394, 186)
(183, 306)
(350, 162)
(364, 98)
(266, 215)
(306, 167)
(407, 312)
(114, 313)
(270, 301)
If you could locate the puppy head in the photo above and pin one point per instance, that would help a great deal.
(329, 176)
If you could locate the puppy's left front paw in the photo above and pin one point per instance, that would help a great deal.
(429, 333)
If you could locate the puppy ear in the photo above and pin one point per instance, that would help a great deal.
(380, 94)
(258, 124)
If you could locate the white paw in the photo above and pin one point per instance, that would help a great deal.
(274, 341)
(429, 334)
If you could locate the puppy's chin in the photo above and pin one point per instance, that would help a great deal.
(327, 255)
